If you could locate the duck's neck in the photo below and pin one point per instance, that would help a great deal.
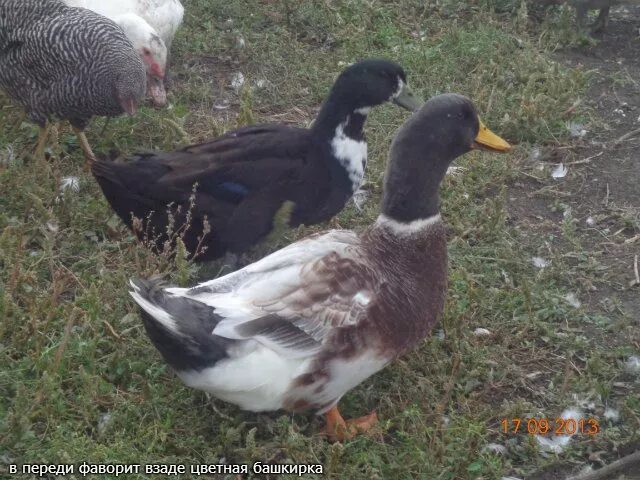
(411, 194)
(342, 129)
(336, 114)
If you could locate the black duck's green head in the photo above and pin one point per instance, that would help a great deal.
(446, 127)
(373, 82)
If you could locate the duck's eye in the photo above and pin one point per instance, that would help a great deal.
(464, 115)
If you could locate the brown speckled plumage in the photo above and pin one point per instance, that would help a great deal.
(408, 279)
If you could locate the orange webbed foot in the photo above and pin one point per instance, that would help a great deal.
(339, 430)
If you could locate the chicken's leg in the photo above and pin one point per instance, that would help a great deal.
(43, 135)
(19, 119)
(84, 144)
(337, 429)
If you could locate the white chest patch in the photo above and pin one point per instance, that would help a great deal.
(398, 91)
(351, 154)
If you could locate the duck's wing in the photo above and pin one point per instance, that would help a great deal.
(228, 169)
(248, 147)
(239, 162)
(292, 300)
(237, 182)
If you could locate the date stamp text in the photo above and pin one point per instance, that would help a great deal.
(550, 426)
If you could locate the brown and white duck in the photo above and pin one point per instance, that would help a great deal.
(304, 325)
(243, 179)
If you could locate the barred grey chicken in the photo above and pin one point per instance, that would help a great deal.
(67, 63)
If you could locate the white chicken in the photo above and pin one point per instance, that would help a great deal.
(151, 26)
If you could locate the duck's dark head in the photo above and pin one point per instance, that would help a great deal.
(358, 89)
(372, 82)
(446, 127)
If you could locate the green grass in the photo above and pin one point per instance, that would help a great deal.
(79, 380)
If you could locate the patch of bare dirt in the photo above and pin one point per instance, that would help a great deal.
(601, 192)
(602, 187)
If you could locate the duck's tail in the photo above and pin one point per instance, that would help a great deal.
(123, 185)
(102, 167)
(113, 183)
(179, 327)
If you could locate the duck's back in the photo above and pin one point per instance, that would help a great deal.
(251, 159)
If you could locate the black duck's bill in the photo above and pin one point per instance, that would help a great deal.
(406, 99)
(487, 140)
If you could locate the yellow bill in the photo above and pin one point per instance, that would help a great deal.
(487, 140)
